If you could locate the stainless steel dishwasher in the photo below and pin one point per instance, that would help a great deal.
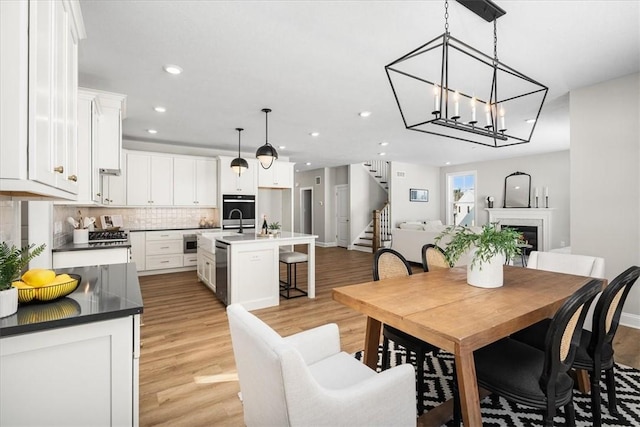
(222, 271)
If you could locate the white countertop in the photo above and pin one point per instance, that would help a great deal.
(283, 237)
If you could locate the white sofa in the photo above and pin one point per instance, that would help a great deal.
(409, 237)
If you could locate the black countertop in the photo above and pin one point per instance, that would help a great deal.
(105, 292)
(90, 246)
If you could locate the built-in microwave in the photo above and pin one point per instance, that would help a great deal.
(237, 209)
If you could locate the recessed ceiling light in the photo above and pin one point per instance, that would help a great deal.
(308, 163)
(160, 109)
(314, 134)
(382, 154)
(297, 170)
(530, 120)
(365, 113)
(447, 163)
(152, 131)
(384, 143)
(172, 69)
(282, 147)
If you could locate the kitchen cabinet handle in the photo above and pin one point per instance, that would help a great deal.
(73, 178)
(59, 169)
(164, 262)
(164, 247)
(98, 194)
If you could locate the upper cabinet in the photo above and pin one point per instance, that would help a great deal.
(279, 175)
(194, 182)
(38, 106)
(99, 143)
(149, 180)
(231, 183)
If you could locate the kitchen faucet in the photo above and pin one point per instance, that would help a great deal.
(240, 212)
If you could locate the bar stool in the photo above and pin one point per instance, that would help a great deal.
(291, 259)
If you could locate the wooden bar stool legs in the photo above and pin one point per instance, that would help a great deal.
(292, 259)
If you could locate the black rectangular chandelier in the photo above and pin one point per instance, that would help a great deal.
(446, 87)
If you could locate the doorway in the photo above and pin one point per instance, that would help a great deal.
(306, 210)
(342, 215)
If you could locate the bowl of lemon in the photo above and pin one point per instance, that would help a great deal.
(39, 284)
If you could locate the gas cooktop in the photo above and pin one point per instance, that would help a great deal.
(102, 236)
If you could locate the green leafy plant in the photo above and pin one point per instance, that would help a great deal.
(491, 241)
(13, 261)
(274, 226)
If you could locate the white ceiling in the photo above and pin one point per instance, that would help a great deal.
(317, 64)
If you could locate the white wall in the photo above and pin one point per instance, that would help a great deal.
(605, 183)
(547, 170)
(405, 176)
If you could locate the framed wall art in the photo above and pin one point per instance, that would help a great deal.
(418, 195)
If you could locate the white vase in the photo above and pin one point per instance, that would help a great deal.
(8, 302)
(486, 274)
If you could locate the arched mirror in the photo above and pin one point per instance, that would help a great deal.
(517, 190)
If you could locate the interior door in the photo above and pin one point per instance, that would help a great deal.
(306, 210)
(342, 215)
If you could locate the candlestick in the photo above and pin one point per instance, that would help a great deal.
(535, 191)
(487, 112)
(456, 106)
(546, 191)
(503, 125)
(546, 201)
(436, 99)
(473, 111)
(536, 200)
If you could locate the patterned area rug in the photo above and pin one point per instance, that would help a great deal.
(497, 411)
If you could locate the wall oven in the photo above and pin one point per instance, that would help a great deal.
(237, 209)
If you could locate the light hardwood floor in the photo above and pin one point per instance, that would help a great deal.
(187, 369)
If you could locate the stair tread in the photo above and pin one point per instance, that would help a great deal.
(366, 245)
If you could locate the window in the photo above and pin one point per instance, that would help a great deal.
(461, 199)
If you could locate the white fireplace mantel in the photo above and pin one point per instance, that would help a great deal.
(540, 217)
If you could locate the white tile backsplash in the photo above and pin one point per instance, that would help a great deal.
(147, 218)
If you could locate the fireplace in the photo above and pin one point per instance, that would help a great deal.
(529, 235)
(535, 223)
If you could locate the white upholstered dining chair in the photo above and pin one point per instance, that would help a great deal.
(305, 380)
(580, 265)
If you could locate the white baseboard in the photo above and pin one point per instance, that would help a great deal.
(360, 248)
(630, 320)
(166, 270)
(326, 244)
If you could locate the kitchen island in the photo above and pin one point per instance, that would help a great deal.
(249, 266)
(74, 361)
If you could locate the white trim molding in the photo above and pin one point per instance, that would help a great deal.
(540, 217)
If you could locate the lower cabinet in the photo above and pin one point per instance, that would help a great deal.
(81, 258)
(84, 375)
(138, 241)
(207, 268)
(160, 250)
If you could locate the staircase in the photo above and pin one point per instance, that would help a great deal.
(379, 171)
(377, 234)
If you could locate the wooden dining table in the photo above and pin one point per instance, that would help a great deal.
(440, 308)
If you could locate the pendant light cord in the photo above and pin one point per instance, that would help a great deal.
(239, 130)
(495, 41)
(266, 127)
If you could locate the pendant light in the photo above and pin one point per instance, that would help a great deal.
(267, 153)
(439, 86)
(239, 164)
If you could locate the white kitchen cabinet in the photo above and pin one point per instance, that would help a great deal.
(194, 182)
(190, 260)
(149, 180)
(231, 183)
(138, 241)
(38, 110)
(93, 367)
(108, 150)
(164, 249)
(207, 268)
(81, 258)
(279, 175)
(87, 130)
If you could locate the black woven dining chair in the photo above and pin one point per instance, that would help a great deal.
(535, 377)
(388, 263)
(595, 351)
(433, 257)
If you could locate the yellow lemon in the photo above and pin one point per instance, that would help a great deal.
(38, 277)
(21, 285)
(62, 278)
